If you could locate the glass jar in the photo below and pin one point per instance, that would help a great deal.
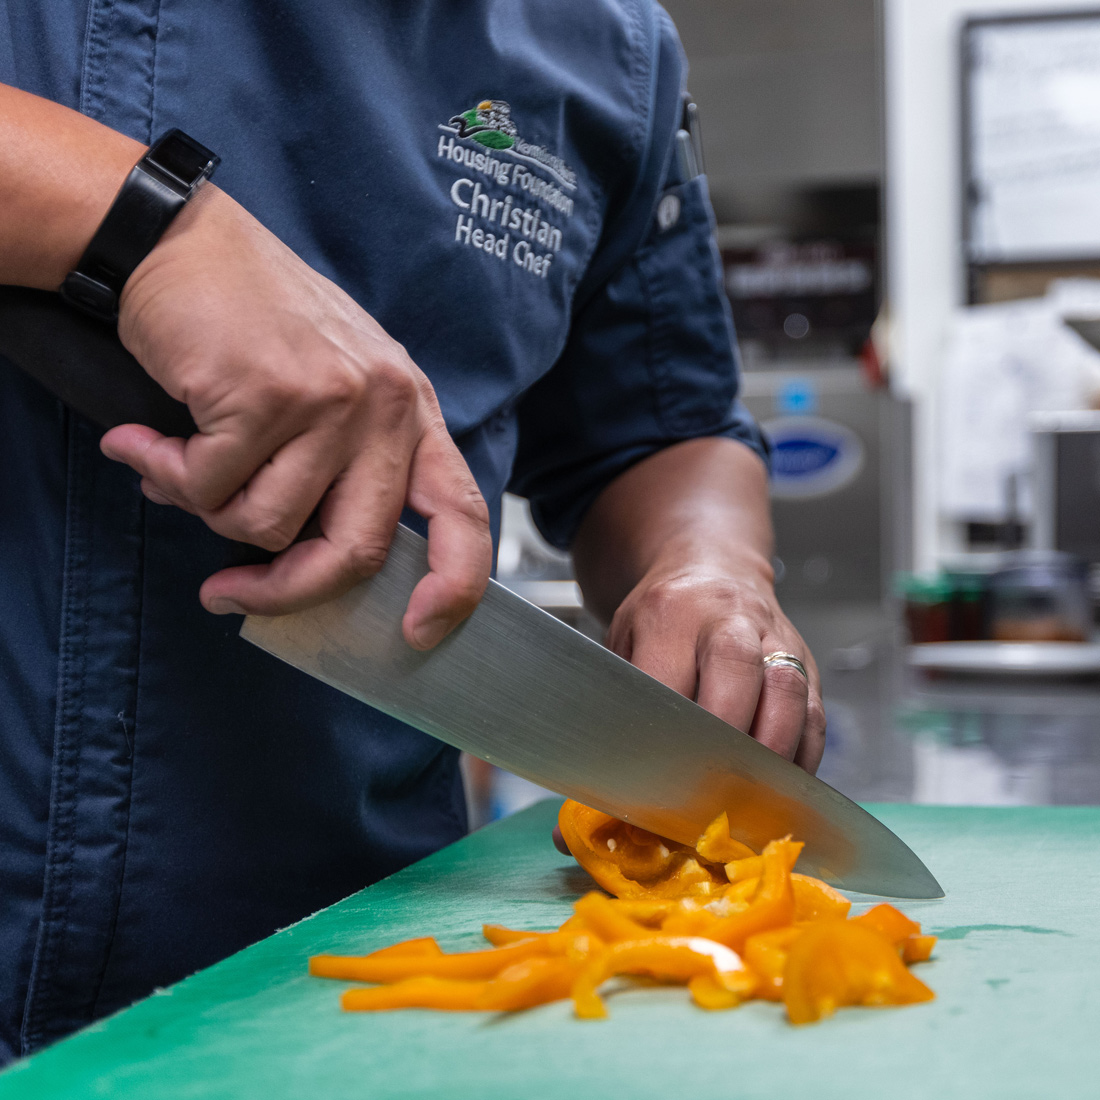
(927, 607)
(1040, 596)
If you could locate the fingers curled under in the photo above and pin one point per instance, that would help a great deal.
(812, 746)
(781, 713)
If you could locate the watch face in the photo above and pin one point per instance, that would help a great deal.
(180, 157)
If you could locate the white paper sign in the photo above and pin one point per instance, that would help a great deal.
(1035, 140)
(1002, 363)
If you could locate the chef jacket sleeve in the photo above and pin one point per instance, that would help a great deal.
(652, 358)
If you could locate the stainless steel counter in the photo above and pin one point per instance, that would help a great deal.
(899, 735)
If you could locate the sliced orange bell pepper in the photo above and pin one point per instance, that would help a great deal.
(741, 869)
(664, 958)
(524, 985)
(743, 891)
(609, 922)
(648, 912)
(718, 846)
(766, 954)
(691, 917)
(817, 900)
(709, 993)
(889, 923)
(425, 945)
(917, 948)
(466, 965)
(447, 994)
(838, 963)
(773, 905)
(730, 924)
(499, 936)
(530, 983)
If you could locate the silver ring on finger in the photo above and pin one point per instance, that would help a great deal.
(779, 659)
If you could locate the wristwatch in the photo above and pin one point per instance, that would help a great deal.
(158, 188)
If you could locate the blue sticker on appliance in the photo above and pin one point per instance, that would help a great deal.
(812, 457)
(796, 397)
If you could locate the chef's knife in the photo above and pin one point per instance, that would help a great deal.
(512, 684)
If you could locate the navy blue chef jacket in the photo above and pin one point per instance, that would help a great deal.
(484, 177)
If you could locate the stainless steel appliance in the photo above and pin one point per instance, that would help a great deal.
(840, 478)
(1066, 482)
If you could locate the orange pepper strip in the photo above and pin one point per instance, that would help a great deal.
(743, 891)
(688, 919)
(838, 963)
(817, 900)
(425, 945)
(709, 993)
(574, 924)
(716, 844)
(915, 949)
(524, 985)
(423, 992)
(602, 916)
(666, 957)
(530, 983)
(773, 906)
(888, 922)
(740, 869)
(466, 965)
(766, 956)
(499, 936)
(649, 913)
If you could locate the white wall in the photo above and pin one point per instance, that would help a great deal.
(925, 275)
(788, 91)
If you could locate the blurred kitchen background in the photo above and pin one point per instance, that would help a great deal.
(908, 204)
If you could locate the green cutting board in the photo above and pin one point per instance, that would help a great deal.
(1016, 973)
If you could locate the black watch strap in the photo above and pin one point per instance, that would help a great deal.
(157, 189)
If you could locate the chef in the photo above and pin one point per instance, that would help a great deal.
(448, 250)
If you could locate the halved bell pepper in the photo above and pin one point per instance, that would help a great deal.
(632, 863)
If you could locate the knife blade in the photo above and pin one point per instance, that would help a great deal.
(512, 684)
(517, 687)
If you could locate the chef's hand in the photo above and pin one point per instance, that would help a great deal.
(704, 630)
(676, 553)
(303, 403)
(703, 625)
(300, 398)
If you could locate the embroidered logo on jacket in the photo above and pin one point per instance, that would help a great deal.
(489, 124)
(517, 209)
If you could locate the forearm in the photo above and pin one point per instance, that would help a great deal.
(701, 504)
(59, 171)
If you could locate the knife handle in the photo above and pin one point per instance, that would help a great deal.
(82, 362)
